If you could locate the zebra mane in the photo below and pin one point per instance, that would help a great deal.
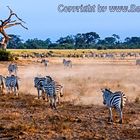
(108, 90)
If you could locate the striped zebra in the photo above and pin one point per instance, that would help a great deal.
(114, 100)
(1, 84)
(51, 88)
(11, 83)
(67, 63)
(46, 62)
(12, 68)
(39, 83)
(53, 91)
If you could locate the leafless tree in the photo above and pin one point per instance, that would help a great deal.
(7, 23)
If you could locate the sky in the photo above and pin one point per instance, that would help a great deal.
(45, 21)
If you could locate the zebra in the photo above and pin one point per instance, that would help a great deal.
(46, 62)
(12, 68)
(51, 88)
(11, 83)
(1, 84)
(67, 63)
(114, 100)
(39, 83)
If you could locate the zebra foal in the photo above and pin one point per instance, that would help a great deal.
(114, 100)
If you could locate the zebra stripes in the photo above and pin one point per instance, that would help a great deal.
(1, 84)
(12, 68)
(52, 89)
(11, 83)
(39, 83)
(67, 63)
(114, 100)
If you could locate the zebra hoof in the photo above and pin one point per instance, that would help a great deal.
(120, 121)
(110, 120)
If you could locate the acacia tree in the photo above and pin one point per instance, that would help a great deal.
(7, 23)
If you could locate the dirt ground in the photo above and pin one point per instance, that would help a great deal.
(81, 114)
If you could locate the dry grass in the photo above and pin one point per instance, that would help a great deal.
(30, 120)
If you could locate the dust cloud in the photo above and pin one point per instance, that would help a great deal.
(82, 82)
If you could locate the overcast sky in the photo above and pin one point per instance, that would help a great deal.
(45, 21)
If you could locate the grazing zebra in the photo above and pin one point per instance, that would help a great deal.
(46, 62)
(11, 83)
(12, 68)
(114, 100)
(67, 63)
(1, 84)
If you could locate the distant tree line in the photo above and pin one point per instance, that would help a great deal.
(90, 40)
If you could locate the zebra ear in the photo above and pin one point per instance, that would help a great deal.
(102, 89)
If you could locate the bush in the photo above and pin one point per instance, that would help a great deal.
(5, 56)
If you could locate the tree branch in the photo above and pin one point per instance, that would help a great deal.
(17, 23)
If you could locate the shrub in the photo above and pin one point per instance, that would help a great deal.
(5, 56)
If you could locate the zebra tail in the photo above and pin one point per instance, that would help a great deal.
(123, 100)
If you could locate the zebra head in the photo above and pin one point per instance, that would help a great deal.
(48, 79)
(106, 94)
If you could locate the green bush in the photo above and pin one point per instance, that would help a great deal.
(5, 56)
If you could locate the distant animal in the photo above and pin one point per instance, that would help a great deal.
(11, 83)
(1, 84)
(114, 100)
(46, 62)
(67, 63)
(137, 61)
(12, 68)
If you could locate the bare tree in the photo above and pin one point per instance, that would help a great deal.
(7, 23)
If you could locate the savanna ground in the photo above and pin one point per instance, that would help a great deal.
(80, 114)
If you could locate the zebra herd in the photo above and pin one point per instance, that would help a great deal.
(66, 63)
(46, 86)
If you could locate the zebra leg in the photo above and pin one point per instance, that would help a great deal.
(110, 115)
(54, 101)
(47, 98)
(51, 102)
(8, 90)
(58, 100)
(120, 114)
(14, 90)
(38, 94)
